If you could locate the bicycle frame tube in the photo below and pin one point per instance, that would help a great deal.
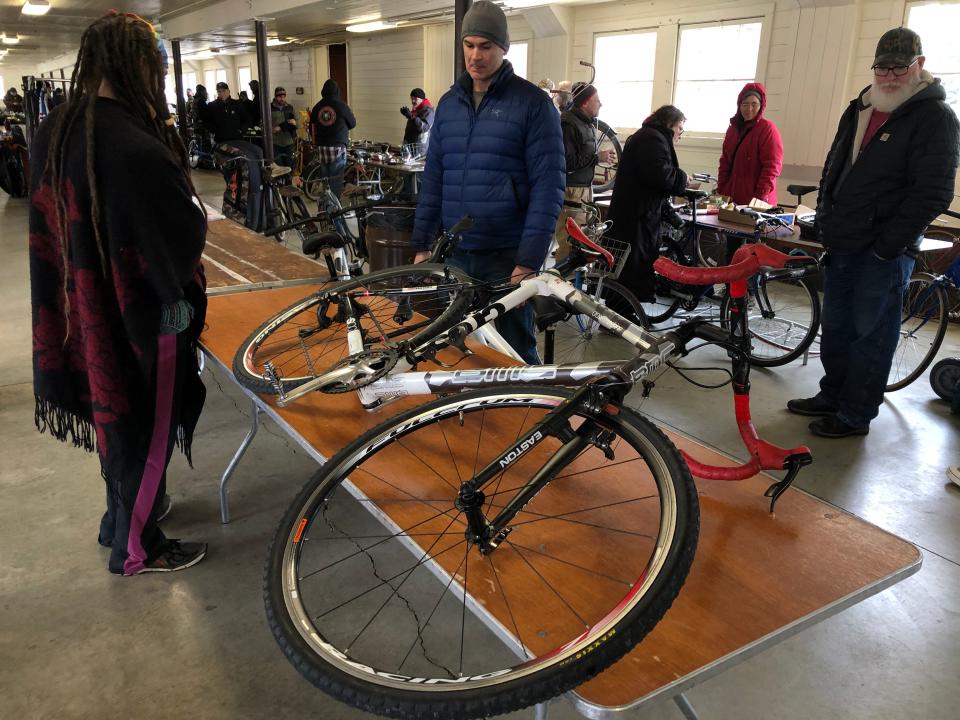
(652, 351)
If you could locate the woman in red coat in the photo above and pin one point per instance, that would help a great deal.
(752, 151)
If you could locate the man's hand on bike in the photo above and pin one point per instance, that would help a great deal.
(421, 256)
(521, 273)
(606, 156)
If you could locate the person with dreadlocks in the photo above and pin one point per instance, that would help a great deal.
(117, 288)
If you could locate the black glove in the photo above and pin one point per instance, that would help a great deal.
(405, 111)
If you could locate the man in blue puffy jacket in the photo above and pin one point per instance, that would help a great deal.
(496, 154)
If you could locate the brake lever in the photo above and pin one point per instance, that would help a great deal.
(793, 466)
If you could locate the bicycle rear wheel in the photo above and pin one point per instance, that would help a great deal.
(783, 318)
(922, 327)
(580, 338)
(376, 595)
(314, 182)
(413, 302)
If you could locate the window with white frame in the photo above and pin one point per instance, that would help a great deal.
(936, 24)
(713, 63)
(170, 86)
(211, 78)
(518, 58)
(625, 87)
(243, 74)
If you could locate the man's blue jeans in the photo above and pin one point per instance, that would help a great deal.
(496, 265)
(862, 300)
(334, 171)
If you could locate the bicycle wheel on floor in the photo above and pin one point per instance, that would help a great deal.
(922, 327)
(580, 338)
(376, 595)
(783, 319)
(314, 182)
(945, 378)
(412, 302)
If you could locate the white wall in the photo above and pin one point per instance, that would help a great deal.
(383, 68)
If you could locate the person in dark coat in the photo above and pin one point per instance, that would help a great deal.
(13, 101)
(752, 155)
(496, 154)
(890, 171)
(419, 119)
(117, 287)
(648, 175)
(331, 121)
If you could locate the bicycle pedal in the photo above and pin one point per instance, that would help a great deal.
(272, 376)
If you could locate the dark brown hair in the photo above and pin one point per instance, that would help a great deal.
(666, 116)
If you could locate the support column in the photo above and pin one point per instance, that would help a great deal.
(263, 73)
(460, 8)
(178, 80)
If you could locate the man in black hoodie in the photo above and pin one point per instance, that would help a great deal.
(331, 121)
(890, 172)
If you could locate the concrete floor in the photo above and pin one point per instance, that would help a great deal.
(77, 642)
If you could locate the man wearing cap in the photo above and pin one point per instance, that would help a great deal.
(227, 118)
(889, 173)
(284, 124)
(419, 118)
(496, 154)
(580, 151)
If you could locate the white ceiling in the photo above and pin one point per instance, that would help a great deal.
(220, 23)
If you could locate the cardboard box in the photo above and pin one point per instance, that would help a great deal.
(735, 217)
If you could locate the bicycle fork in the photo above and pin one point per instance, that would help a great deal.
(486, 534)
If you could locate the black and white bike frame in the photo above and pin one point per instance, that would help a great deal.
(400, 382)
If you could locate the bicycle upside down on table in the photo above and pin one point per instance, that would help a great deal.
(494, 548)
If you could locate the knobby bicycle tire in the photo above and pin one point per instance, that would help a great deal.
(783, 319)
(923, 323)
(375, 595)
(606, 174)
(580, 339)
(301, 345)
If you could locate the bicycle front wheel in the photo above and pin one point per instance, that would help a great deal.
(376, 593)
(580, 338)
(783, 319)
(413, 303)
(922, 327)
(314, 182)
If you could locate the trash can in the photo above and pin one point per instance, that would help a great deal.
(388, 236)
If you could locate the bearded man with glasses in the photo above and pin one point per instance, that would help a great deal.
(889, 173)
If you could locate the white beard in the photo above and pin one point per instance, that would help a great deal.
(887, 100)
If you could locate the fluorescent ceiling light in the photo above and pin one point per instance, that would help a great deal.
(371, 26)
(8, 40)
(36, 7)
(518, 4)
(274, 41)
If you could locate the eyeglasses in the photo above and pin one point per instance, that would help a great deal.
(897, 70)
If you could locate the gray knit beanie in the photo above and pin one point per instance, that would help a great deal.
(486, 20)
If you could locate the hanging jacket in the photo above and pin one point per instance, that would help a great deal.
(579, 146)
(752, 155)
(501, 163)
(331, 118)
(901, 180)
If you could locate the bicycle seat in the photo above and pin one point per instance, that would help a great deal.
(694, 195)
(799, 190)
(315, 243)
(279, 170)
(289, 191)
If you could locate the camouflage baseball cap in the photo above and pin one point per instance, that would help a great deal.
(900, 46)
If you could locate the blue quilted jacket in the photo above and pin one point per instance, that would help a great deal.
(502, 164)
